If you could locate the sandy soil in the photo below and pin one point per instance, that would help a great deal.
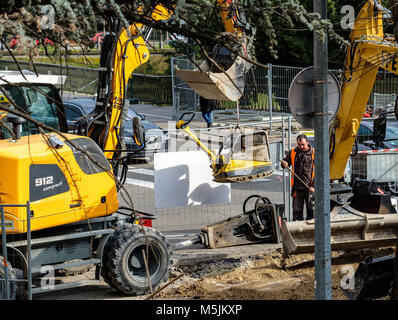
(264, 278)
(260, 278)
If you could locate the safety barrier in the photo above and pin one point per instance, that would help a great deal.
(380, 166)
(15, 257)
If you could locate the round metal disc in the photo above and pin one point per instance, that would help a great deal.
(301, 97)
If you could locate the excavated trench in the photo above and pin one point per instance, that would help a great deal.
(269, 277)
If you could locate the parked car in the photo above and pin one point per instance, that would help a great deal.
(96, 39)
(156, 139)
(365, 135)
(365, 142)
(13, 44)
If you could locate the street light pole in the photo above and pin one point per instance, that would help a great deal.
(323, 281)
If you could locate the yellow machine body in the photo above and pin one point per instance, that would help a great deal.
(59, 183)
(369, 50)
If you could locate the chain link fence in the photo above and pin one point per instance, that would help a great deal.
(144, 88)
(266, 91)
(189, 219)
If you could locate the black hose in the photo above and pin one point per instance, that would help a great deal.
(332, 145)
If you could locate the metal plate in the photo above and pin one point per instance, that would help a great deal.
(301, 97)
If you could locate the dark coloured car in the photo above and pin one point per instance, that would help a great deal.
(365, 135)
(365, 143)
(75, 109)
(155, 138)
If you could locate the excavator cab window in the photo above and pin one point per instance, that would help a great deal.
(41, 102)
(88, 155)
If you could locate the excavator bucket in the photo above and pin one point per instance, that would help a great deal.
(217, 85)
(350, 229)
(373, 279)
(247, 159)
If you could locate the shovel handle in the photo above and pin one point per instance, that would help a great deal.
(297, 176)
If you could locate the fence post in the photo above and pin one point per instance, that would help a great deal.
(173, 92)
(29, 250)
(5, 257)
(289, 145)
(283, 168)
(269, 76)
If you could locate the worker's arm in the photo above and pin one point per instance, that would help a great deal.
(287, 162)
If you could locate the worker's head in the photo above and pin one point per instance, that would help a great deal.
(302, 142)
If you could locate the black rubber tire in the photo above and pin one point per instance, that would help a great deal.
(107, 247)
(11, 276)
(124, 266)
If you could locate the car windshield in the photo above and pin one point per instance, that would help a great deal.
(39, 101)
(392, 133)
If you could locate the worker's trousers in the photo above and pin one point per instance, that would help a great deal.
(299, 198)
(208, 116)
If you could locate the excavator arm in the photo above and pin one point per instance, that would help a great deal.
(369, 50)
(362, 218)
(120, 56)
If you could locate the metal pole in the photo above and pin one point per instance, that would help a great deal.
(5, 258)
(269, 76)
(323, 278)
(289, 145)
(283, 168)
(29, 251)
(173, 92)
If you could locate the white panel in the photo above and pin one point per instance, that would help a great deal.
(185, 178)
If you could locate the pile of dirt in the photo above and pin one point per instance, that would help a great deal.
(271, 277)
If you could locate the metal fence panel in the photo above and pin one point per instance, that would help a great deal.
(190, 219)
(263, 87)
(145, 88)
(379, 166)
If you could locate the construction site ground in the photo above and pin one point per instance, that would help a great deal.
(248, 272)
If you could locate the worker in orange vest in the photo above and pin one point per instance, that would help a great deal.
(301, 159)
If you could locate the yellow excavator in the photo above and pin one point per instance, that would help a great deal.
(58, 192)
(376, 222)
(361, 217)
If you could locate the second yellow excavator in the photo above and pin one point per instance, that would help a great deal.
(361, 216)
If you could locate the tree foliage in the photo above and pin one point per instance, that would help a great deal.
(63, 21)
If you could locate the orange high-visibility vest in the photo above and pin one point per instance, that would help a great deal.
(292, 157)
